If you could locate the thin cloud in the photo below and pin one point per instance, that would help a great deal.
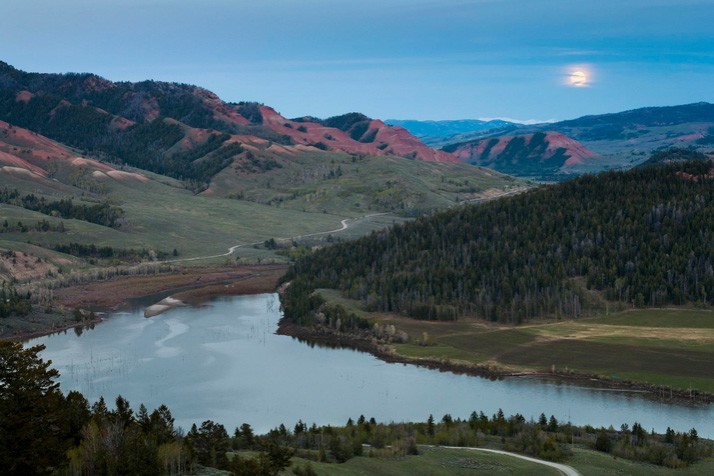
(526, 122)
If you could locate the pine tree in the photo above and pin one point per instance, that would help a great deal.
(34, 423)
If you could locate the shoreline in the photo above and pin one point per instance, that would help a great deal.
(27, 336)
(190, 286)
(384, 353)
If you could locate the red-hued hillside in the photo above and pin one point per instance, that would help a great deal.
(27, 154)
(373, 138)
(98, 115)
(538, 154)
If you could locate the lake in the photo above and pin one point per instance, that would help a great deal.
(224, 362)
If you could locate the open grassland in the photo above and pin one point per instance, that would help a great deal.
(361, 185)
(201, 225)
(671, 347)
(595, 463)
(431, 461)
(164, 218)
(306, 197)
(445, 461)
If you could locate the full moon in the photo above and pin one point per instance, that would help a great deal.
(578, 78)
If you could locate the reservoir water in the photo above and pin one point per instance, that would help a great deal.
(224, 362)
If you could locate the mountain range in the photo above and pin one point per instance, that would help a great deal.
(182, 124)
(189, 133)
(586, 144)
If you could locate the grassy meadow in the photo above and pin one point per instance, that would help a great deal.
(307, 196)
(670, 347)
(431, 461)
(446, 461)
(357, 185)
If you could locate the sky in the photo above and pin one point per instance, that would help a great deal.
(403, 59)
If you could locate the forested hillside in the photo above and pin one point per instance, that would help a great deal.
(642, 237)
(547, 156)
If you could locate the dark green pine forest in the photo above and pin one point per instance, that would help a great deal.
(643, 237)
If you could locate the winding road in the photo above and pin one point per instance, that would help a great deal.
(563, 468)
(345, 224)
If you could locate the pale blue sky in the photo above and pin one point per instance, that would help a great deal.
(407, 59)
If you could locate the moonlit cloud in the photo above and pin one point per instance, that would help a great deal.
(578, 76)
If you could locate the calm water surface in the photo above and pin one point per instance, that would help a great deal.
(223, 362)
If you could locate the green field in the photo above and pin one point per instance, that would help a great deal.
(340, 183)
(671, 347)
(594, 463)
(431, 461)
(444, 461)
(299, 199)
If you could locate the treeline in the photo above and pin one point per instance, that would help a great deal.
(41, 226)
(12, 302)
(101, 214)
(545, 438)
(641, 237)
(105, 252)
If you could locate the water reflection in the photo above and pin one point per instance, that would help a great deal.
(224, 362)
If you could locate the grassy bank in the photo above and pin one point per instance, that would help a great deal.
(431, 461)
(443, 461)
(668, 347)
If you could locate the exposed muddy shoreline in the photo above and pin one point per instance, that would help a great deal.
(189, 286)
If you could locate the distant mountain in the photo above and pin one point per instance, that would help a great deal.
(423, 129)
(627, 138)
(614, 125)
(618, 140)
(540, 155)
